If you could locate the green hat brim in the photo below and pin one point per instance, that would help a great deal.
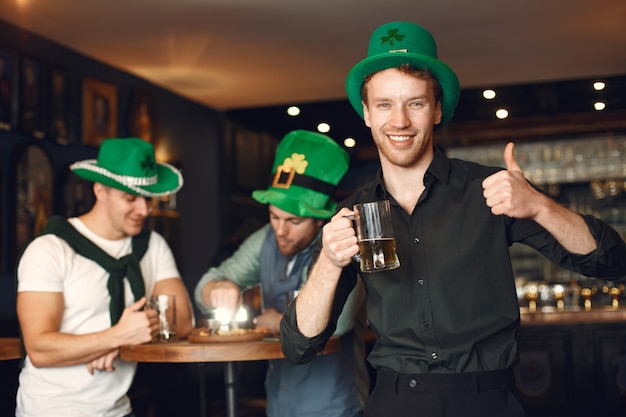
(445, 76)
(170, 179)
(295, 206)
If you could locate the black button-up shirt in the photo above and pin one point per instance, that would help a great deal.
(451, 306)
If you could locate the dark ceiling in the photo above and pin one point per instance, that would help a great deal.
(251, 59)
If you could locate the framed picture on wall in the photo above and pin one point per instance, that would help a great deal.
(34, 193)
(99, 111)
(59, 106)
(143, 120)
(31, 97)
(77, 194)
(2, 221)
(6, 89)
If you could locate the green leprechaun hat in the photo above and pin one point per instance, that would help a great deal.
(307, 169)
(397, 43)
(129, 165)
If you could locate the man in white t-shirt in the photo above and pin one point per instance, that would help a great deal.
(83, 283)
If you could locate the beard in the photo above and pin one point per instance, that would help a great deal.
(403, 157)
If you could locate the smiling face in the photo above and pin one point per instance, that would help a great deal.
(401, 110)
(293, 233)
(123, 214)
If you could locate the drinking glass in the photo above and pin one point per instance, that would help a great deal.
(377, 244)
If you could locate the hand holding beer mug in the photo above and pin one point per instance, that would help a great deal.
(377, 245)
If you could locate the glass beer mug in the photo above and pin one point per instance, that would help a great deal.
(377, 244)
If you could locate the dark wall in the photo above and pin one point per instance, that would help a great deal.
(191, 133)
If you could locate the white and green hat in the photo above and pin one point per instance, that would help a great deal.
(129, 164)
(307, 169)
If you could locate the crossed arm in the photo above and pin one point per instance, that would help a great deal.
(40, 315)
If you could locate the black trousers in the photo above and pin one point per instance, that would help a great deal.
(475, 394)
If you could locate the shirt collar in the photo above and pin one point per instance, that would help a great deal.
(439, 168)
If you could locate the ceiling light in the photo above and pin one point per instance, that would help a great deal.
(599, 85)
(502, 113)
(349, 142)
(599, 105)
(293, 111)
(489, 94)
(323, 127)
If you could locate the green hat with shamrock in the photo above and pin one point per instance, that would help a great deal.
(129, 165)
(307, 169)
(397, 43)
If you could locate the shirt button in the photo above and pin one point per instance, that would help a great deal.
(434, 355)
(412, 383)
(420, 281)
(416, 240)
(425, 324)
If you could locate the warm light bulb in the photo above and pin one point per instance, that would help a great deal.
(323, 127)
(599, 85)
(293, 111)
(599, 106)
(489, 94)
(502, 113)
(349, 142)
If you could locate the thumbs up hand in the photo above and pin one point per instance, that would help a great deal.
(508, 192)
(509, 158)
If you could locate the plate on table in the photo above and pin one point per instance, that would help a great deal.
(202, 335)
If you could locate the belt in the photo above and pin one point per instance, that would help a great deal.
(437, 382)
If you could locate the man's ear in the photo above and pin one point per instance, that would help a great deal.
(438, 114)
(99, 189)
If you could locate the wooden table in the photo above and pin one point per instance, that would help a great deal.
(228, 353)
(10, 348)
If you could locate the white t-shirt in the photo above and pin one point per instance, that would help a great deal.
(50, 265)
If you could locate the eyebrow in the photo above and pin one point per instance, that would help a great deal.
(288, 218)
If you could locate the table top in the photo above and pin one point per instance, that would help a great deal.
(10, 348)
(184, 351)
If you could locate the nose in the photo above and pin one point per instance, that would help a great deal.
(143, 205)
(399, 117)
(281, 228)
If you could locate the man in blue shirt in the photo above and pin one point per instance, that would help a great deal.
(307, 168)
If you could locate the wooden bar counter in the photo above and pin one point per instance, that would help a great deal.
(594, 316)
(10, 348)
(572, 363)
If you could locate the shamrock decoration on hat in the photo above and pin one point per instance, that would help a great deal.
(308, 166)
(397, 43)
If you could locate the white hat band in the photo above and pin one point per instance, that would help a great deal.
(125, 180)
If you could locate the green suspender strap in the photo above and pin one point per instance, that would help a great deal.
(126, 266)
(118, 269)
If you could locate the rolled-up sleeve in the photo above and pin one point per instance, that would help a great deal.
(297, 347)
(608, 261)
(301, 349)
